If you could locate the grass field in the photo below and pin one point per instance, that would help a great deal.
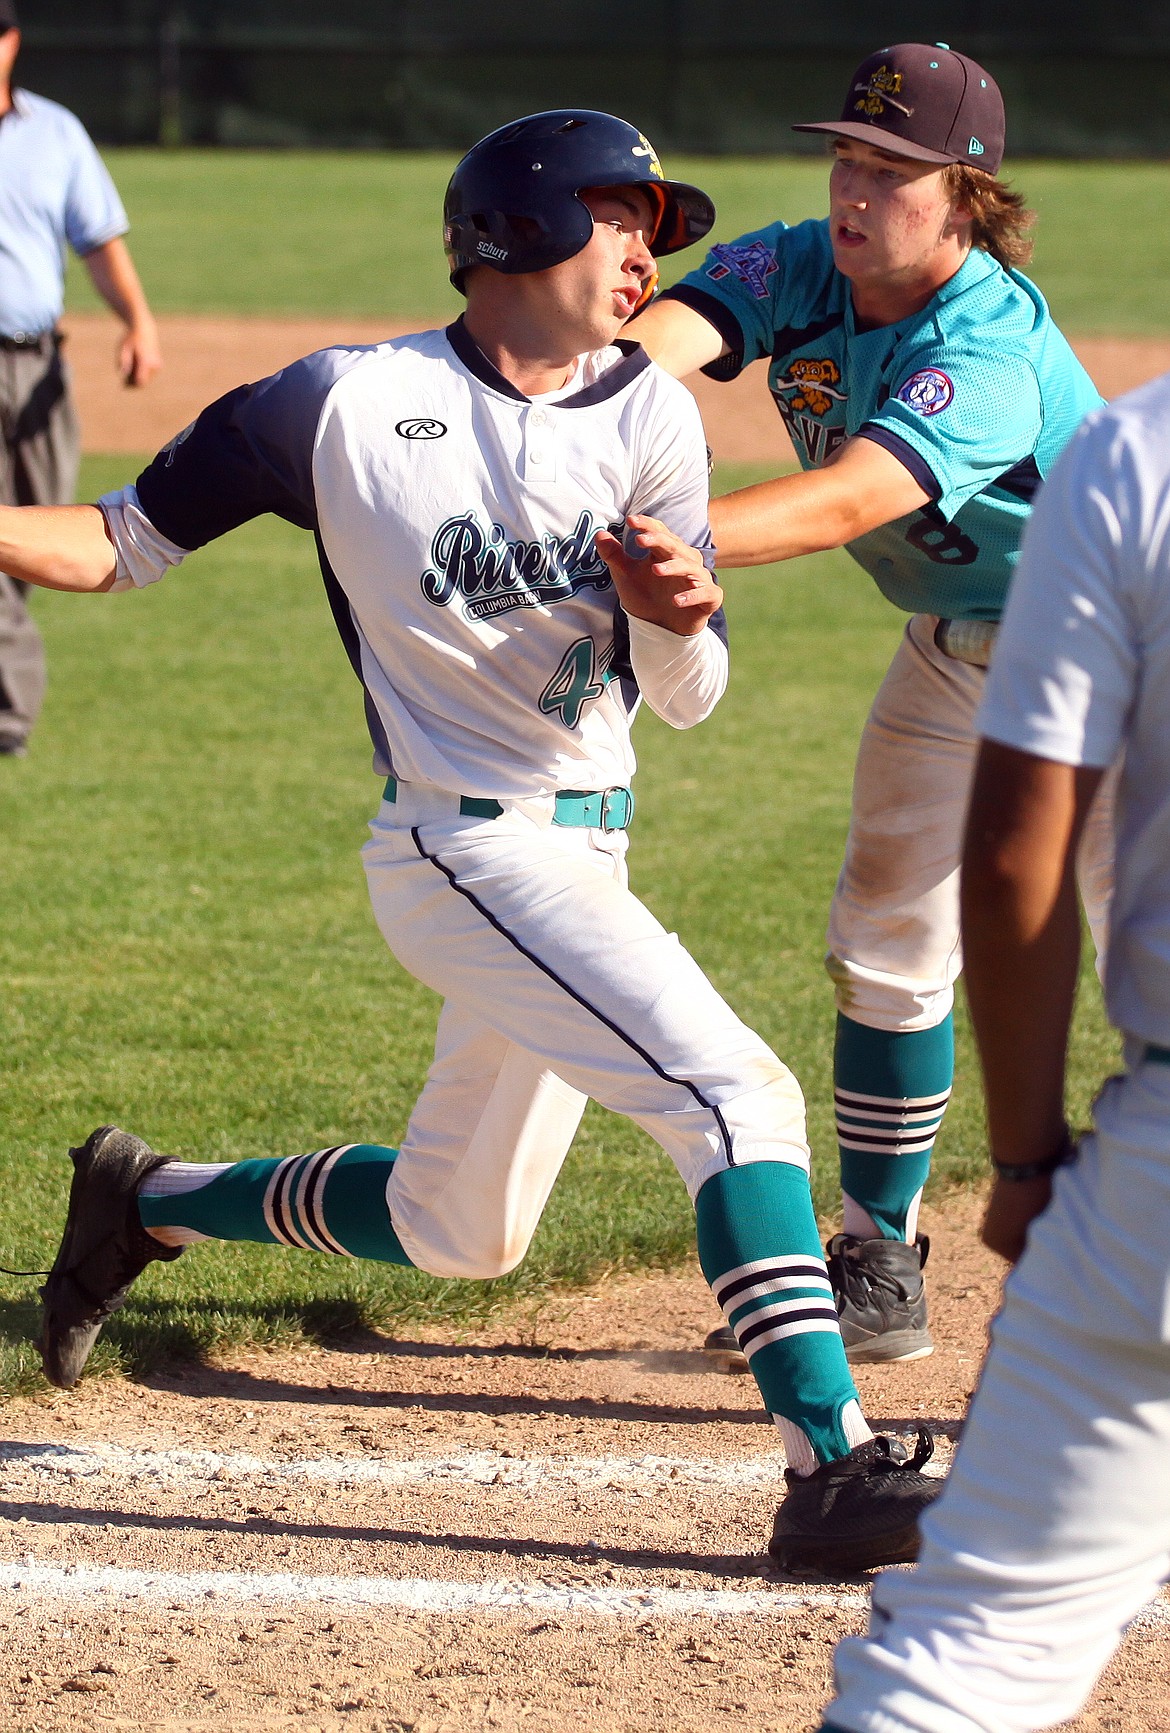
(189, 949)
(358, 234)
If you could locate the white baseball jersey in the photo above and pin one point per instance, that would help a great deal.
(1054, 1528)
(1083, 667)
(455, 521)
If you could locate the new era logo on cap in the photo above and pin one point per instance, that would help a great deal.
(924, 102)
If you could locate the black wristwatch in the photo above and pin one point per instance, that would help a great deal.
(1021, 1171)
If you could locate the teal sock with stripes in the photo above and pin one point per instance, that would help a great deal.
(891, 1090)
(332, 1200)
(761, 1253)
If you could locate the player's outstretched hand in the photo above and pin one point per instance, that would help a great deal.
(658, 577)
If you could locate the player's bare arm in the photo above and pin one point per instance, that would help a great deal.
(668, 584)
(678, 338)
(863, 487)
(57, 547)
(1021, 940)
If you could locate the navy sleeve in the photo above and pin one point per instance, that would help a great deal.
(248, 453)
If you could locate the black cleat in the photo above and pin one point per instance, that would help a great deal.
(724, 1350)
(103, 1249)
(855, 1514)
(881, 1299)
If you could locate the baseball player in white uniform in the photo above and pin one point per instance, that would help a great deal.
(467, 489)
(1054, 1529)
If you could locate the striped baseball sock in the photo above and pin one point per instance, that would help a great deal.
(332, 1200)
(891, 1091)
(761, 1253)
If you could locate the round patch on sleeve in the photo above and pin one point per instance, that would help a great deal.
(927, 392)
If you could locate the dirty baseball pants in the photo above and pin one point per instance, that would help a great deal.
(894, 949)
(1053, 1530)
(558, 984)
(39, 457)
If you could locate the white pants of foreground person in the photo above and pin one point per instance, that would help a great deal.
(1054, 1528)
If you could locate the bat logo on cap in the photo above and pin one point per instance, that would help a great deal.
(881, 89)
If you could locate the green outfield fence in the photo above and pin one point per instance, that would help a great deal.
(1080, 78)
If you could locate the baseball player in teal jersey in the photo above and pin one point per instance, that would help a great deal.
(927, 393)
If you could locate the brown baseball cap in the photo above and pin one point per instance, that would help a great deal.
(924, 102)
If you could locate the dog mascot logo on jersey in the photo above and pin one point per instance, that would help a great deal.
(883, 88)
(494, 573)
(812, 382)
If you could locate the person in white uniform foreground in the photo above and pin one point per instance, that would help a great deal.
(468, 489)
(1054, 1529)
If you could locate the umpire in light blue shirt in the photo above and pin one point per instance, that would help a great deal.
(54, 189)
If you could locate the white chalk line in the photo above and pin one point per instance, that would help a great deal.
(470, 1468)
(225, 1590)
(33, 1580)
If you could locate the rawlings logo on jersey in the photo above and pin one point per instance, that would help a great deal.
(420, 427)
(494, 574)
(883, 88)
(753, 265)
(927, 391)
(811, 380)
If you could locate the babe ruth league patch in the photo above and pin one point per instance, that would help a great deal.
(927, 392)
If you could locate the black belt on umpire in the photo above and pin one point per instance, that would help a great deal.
(37, 342)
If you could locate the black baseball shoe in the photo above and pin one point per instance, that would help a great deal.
(724, 1350)
(103, 1249)
(855, 1514)
(881, 1298)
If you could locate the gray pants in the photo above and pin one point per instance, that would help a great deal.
(39, 458)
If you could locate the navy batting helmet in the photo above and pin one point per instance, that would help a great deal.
(513, 201)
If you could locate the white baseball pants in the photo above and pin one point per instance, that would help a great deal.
(894, 948)
(559, 984)
(1054, 1527)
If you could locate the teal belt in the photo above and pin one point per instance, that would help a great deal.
(604, 809)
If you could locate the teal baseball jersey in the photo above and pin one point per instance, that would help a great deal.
(976, 395)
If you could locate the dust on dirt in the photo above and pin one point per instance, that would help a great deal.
(610, 1377)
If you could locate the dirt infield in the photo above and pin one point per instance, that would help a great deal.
(554, 1525)
(205, 357)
